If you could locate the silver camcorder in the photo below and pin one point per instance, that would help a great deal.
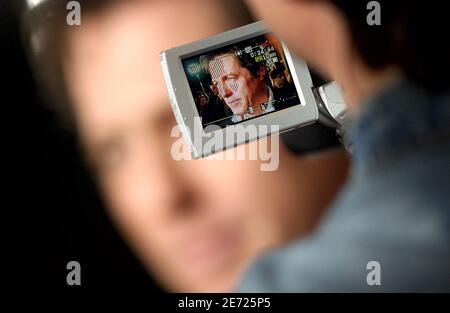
(242, 85)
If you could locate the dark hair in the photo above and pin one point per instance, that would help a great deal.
(278, 71)
(243, 59)
(411, 35)
(43, 31)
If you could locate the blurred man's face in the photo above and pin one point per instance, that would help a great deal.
(279, 81)
(194, 224)
(236, 85)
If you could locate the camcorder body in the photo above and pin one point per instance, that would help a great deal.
(242, 85)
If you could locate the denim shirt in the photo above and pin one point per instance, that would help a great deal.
(394, 209)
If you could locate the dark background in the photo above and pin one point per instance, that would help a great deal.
(51, 214)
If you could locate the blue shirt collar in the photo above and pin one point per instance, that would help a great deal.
(398, 119)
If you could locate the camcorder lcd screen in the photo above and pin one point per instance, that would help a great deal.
(241, 81)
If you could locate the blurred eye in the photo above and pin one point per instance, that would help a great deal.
(231, 78)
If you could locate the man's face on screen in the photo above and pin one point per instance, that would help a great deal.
(195, 225)
(236, 85)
